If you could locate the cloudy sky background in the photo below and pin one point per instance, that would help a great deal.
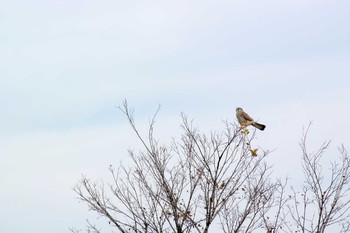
(66, 65)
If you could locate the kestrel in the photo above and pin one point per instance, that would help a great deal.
(245, 120)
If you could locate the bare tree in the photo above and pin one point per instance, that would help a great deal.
(196, 183)
(324, 198)
(217, 182)
(274, 215)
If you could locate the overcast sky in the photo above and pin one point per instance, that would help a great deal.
(66, 65)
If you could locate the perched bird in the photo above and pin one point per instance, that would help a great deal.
(245, 120)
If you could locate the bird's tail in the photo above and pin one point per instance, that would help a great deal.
(258, 125)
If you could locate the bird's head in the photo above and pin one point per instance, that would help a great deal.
(239, 109)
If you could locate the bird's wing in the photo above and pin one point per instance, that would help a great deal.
(247, 117)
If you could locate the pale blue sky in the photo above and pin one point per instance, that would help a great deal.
(65, 65)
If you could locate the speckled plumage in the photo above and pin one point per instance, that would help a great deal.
(245, 120)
